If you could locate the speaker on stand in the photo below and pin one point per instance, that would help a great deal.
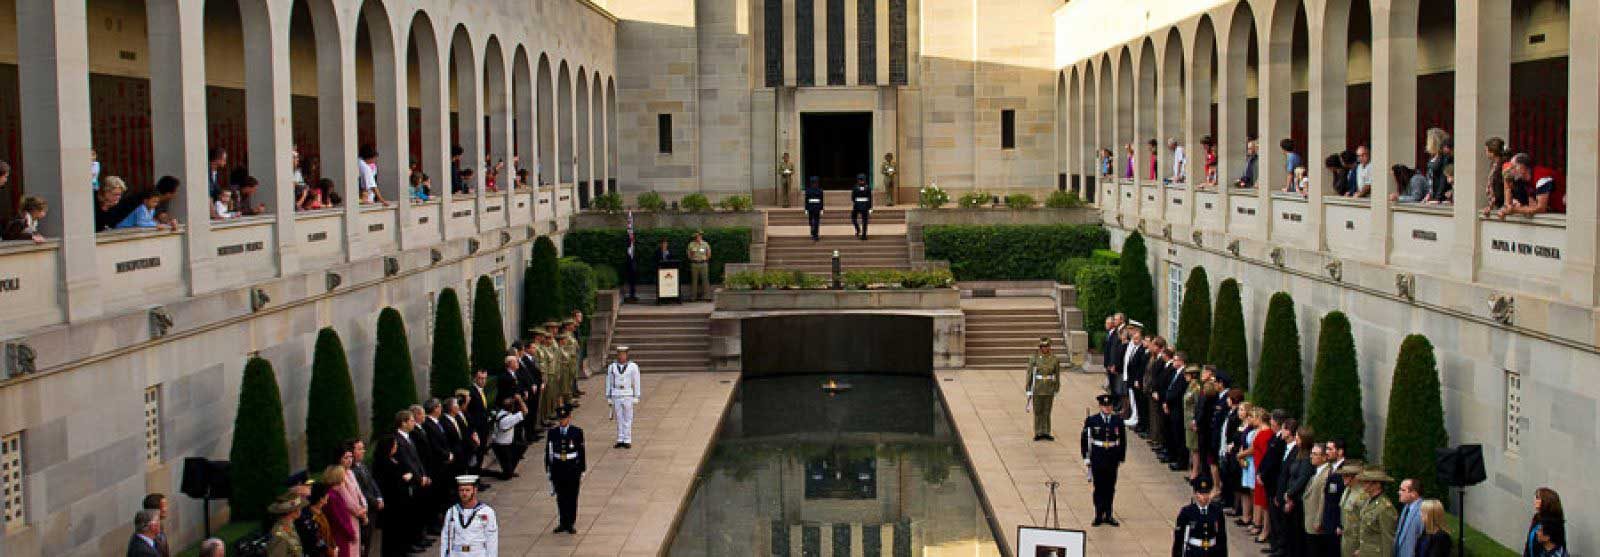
(205, 479)
(1460, 468)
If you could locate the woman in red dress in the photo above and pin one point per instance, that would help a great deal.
(1258, 452)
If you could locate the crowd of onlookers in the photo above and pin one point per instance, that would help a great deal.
(1516, 184)
(1296, 493)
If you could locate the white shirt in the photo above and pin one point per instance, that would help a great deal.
(479, 537)
(505, 427)
(1364, 175)
(1178, 160)
(622, 380)
(1127, 357)
(366, 179)
(222, 210)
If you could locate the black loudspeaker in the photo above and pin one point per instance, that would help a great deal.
(203, 477)
(1461, 466)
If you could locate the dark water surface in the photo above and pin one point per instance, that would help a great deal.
(874, 470)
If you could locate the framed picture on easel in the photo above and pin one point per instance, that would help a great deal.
(667, 285)
(1034, 541)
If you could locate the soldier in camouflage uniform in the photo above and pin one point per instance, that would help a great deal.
(1044, 379)
(569, 357)
(550, 362)
(1350, 508)
(1377, 519)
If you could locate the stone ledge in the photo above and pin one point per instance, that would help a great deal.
(904, 298)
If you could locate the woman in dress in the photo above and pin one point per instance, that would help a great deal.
(1258, 452)
(344, 529)
(1239, 452)
(1210, 146)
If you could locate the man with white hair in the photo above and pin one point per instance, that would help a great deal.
(213, 547)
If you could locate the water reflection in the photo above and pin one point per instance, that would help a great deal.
(798, 470)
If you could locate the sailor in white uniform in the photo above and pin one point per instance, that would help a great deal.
(622, 393)
(470, 527)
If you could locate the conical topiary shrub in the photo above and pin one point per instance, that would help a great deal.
(541, 286)
(394, 383)
(331, 403)
(1415, 426)
(1280, 384)
(1335, 408)
(577, 291)
(1228, 350)
(448, 370)
(1194, 317)
(488, 330)
(1136, 294)
(260, 451)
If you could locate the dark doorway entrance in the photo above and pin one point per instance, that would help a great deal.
(836, 146)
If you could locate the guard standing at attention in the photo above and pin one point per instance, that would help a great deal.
(814, 206)
(1200, 530)
(700, 268)
(861, 210)
(1044, 380)
(622, 393)
(564, 462)
(568, 341)
(470, 527)
(785, 172)
(1104, 446)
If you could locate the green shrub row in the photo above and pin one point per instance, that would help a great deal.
(1010, 252)
(1067, 269)
(1063, 200)
(852, 280)
(608, 246)
(577, 291)
(1105, 256)
(541, 285)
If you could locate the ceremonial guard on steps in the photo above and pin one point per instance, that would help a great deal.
(889, 172)
(565, 463)
(1104, 445)
(622, 393)
(814, 206)
(470, 527)
(699, 268)
(1044, 379)
(1200, 530)
(785, 172)
(861, 208)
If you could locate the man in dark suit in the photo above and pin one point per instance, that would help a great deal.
(1157, 374)
(1153, 361)
(478, 418)
(1273, 472)
(1172, 412)
(1111, 350)
(532, 380)
(1326, 543)
(158, 502)
(1104, 445)
(1297, 475)
(146, 528)
(369, 490)
(404, 480)
(439, 460)
(565, 461)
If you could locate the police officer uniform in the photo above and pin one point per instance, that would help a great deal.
(1200, 530)
(470, 531)
(699, 268)
(814, 206)
(861, 205)
(1044, 380)
(564, 461)
(1104, 445)
(622, 393)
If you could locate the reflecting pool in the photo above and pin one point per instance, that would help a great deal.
(866, 465)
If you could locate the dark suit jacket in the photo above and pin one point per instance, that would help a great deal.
(409, 457)
(138, 548)
(1112, 350)
(477, 412)
(1173, 397)
(439, 450)
(1271, 468)
(1331, 513)
(529, 374)
(1141, 358)
(1297, 474)
(506, 385)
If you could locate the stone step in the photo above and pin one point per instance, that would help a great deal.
(986, 313)
(844, 251)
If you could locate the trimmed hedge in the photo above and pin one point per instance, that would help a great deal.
(1415, 426)
(1097, 297)
(1105, 256)
(449, 370)
(1136, 290)
(394, 380)
(1281, 384)
(606, 278)
(260, 451)
(608, 246)
(1228, 350)
(540, 283)
(1010, 252)
(1194, 317)
(577, 291)
(1067, 269)
(1335, 408)
(488, 330)
(331, 403)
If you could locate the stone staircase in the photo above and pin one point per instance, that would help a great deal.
(665, 339)
(1001, 333)
(789, 245)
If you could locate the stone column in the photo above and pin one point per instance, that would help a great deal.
(336, 117)
(602, 134)
(434, 92)
(53, 76)
(266, 95)
(789, 41)
(1326, 108)
(1394, 108)
(501, 141)
(1196, 122)
(469, 120)
(1276, 87)
(1483, 95)
(1232, 106)
(1578, 282)
(392, 120)
(178, 122)
(852, 57)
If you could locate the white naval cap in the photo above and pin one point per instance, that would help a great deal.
(467, 480)
(622, 349)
